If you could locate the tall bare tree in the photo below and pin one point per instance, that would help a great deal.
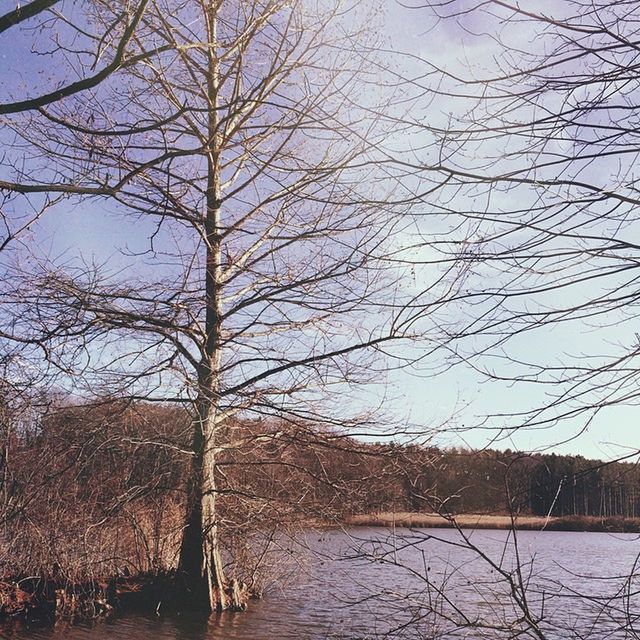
(248, 147)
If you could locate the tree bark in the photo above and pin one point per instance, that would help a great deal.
(200, 556)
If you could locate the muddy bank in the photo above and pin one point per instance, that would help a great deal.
(485, 521)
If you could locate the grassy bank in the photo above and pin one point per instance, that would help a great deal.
(485, 521)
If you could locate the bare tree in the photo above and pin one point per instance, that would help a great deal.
(249, 149)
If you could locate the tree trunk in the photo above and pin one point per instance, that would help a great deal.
(200, 556)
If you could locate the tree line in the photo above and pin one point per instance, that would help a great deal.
(93, 488)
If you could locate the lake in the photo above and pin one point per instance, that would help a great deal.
(366, 583)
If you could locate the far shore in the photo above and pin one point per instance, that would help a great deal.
(487, 521)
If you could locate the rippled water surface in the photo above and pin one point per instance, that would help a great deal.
(370, 583)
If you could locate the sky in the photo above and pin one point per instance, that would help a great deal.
(452, 406)
(461, 397)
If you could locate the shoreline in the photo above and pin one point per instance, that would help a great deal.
(43, 600)
(406, 519)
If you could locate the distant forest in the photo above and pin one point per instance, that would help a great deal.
(106, 482)
(109, 453)
(84, 464)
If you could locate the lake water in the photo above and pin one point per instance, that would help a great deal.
(367, 583)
